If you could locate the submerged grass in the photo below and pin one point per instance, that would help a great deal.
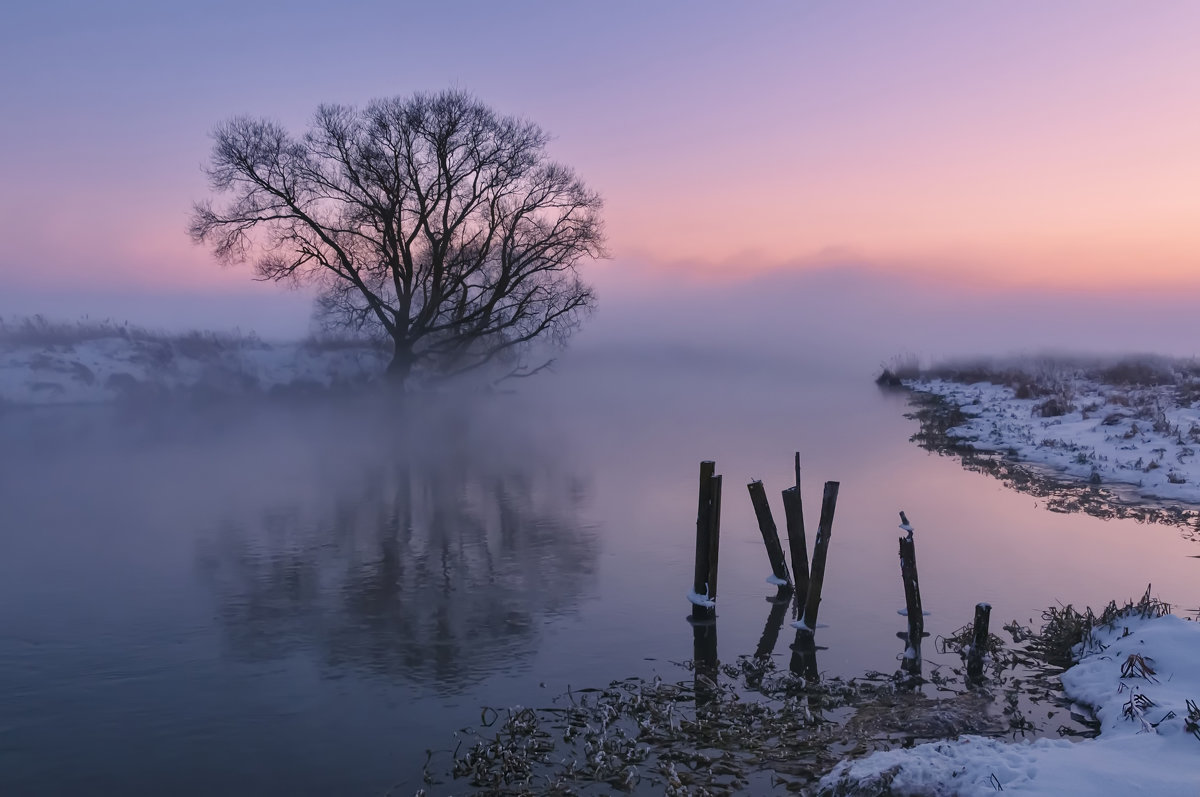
(752, 726)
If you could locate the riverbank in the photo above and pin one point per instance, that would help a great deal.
(1112, 438)
(1137, 675)
(45, 363)
(729, 727)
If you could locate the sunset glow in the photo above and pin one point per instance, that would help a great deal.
(1013, 144)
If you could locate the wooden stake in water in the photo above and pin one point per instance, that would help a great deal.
(912, 586)
(979, 641)
(793, 513)
(770, 534)
(812, 602)
(714, 535)
(701, 594)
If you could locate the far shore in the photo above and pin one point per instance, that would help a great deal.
(1116, 438)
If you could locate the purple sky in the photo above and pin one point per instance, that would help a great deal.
(1043, 149)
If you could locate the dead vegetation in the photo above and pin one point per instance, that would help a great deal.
(1066, 630)
(938, 416)
(751, 726)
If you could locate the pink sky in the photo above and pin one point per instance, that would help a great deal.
(1051, 146)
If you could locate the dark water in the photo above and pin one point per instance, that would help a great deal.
(303, 600)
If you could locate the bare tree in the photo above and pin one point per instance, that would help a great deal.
(430, 221)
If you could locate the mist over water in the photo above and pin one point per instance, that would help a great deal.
(300, 598)
(858, 315)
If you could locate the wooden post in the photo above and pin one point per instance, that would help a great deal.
(770, 534)
(704, 565)
(912, 587)
(704, 662)
(770, 634)
(979, 641)
(812, 602)
(910, 662)
(714, 537)
(793, 512)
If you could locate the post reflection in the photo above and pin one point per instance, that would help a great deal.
(704, 663)
(770, 634)
(803, 662)
(440, 573)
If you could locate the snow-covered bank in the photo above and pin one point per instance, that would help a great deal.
(1143, 437)
(1141, 679)
(49, 364)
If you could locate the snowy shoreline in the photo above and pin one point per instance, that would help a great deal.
(1139, 677)
(1141, 441)
(47, 364)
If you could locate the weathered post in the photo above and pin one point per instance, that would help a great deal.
(979, 641)
(793, 513)
(912, 587)
(714, 536)
(700, 596)
(910, 662)
(770, 534)
(808, 624)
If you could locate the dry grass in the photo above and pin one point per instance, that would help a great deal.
(893, 372)
(1065, 628)
(750, 727)
(1135, 378)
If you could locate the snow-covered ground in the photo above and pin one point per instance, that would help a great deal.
(65, 365)
(1137, 677)
(1140, 437)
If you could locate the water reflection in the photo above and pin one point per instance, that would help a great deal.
(770, 635)
(1057, 493)
(439, 572)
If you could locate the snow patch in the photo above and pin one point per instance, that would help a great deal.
(1102, 440)
(1145, 745)
(139, 365)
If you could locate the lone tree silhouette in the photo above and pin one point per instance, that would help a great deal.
(431, 222)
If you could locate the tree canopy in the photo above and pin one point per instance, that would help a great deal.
(431, 222)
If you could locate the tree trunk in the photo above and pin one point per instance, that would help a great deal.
(400, 367)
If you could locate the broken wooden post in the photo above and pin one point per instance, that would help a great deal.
(912, 587)
(910, 663)
(979, 641)
(808, 624)
(702, 593)
(793, 515)
(770, 534)
(714, 538)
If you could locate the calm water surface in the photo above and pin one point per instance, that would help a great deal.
(303, 600)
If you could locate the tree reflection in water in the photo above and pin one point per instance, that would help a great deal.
(438, 572)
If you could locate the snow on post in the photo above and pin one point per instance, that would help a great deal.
(912, 586)
(708, 533)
